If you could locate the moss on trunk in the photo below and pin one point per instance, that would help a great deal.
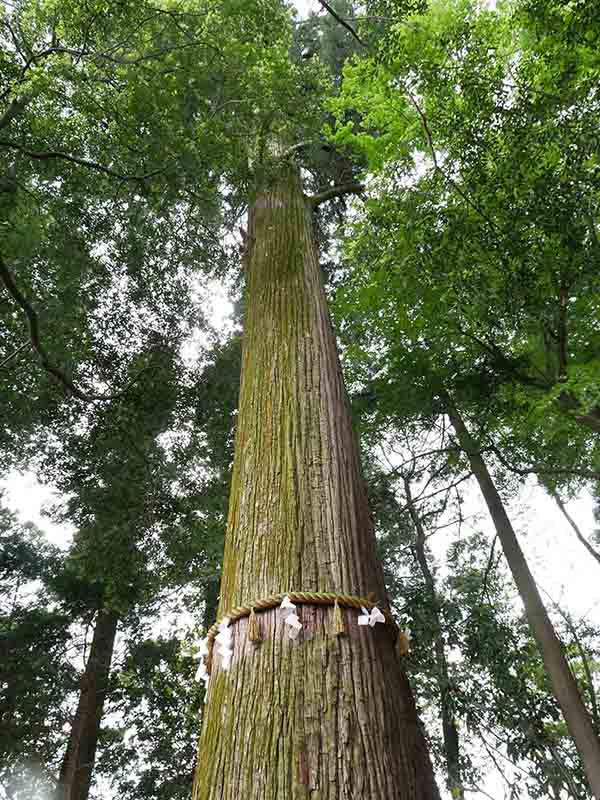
(323, 717)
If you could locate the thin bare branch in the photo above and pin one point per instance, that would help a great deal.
(488, 569)
(15, 353)
(543, 469)
(421, 498)
(342, 22)
(574, 526)
(450, 181)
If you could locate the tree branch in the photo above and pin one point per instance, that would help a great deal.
(563, 310)
(34, 336)
(503, 362)
(84, 162)
(488, 569)
(15, 353)
(422, 497)
(543, 469)
(79, 54)
(582, 653)
(336, 191)
(342, 22)
(450, 181)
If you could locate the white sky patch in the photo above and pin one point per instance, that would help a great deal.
(306, 6)
(565, 573)
(214, 297)
(30, 500)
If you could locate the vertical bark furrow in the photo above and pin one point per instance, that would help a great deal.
(324, 718)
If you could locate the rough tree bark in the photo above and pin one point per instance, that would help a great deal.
(562, 681)
(324, 717)
(449, 729)
(78, 762)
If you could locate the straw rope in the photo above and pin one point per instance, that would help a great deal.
(303, 598)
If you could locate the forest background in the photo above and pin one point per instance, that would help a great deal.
(146, 545)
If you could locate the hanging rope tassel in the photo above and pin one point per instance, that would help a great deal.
(338, 628)
(208, 660)
(253, 628)
(403, 643)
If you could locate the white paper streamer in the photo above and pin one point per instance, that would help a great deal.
(287, 609)
(376, 616)
(223, 643)
(364, 617)
(201, 673)
(372, 618)
(203, 648)
(226, 659)
(295, 626)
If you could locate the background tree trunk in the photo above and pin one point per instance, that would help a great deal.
(323, 717)
(562, 681)
(78, 762)
(449, 729)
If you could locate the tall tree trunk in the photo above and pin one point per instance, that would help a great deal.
(321, 717)
(561, 679)
(449, 729)
(78, 762)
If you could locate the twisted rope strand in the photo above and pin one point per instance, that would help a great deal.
(304, 598)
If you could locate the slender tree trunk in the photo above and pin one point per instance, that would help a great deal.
(322, 717)
(78, 762)
(562, 681)
(574, 526)
(449, 729)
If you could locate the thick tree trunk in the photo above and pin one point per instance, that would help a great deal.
(449, 729)
(322, 717)
(562, 681)
(78, 762)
